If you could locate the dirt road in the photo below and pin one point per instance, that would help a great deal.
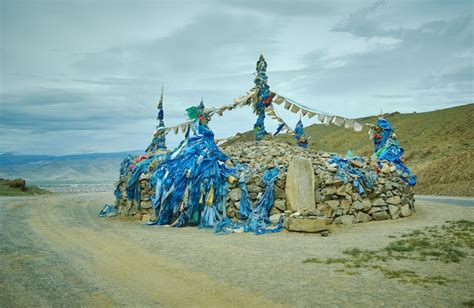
(55, 251)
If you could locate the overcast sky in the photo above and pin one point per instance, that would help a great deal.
(85, 76)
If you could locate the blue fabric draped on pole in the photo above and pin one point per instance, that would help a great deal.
(245, 202)
(264, 98)
(387, 147)
(191, 182)
(159, 138)
(300, 136)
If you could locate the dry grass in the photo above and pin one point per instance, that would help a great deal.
(448, 243)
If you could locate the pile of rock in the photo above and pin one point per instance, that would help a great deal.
(308, 191)
(310, 185)
(141, 209)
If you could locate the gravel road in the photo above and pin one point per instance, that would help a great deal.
(55, 251)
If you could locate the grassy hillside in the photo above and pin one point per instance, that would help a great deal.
(8, 188)
(439, 146)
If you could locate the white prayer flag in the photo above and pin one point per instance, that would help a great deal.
(338, 121)
(358, 127)
(287, 105)
(349, 124)
(294, 109)
(321, 118)
(278, 100)
(329, 120)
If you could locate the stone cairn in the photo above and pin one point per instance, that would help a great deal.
(323, 197)
(308, 201)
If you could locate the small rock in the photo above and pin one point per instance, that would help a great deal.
(275, 218)
(378, 202)
(394, 200)
(235, 194)
(393, 211)
(346, 204)
(146, 218)
(357, 164)
(145, 204)
(279, 193)
(324, 209)
(376, 209)
(329, 190)
(280, 204)
(405, 210)
(383, 215)
(357, 205)
(356, 196)
(362, 217)
(332, 203)
(344, 220)
(341, 191)
(367, 204)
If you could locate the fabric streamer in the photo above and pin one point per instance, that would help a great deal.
(300, 137)
(387, 147)
(191, 182)
(264, 98)
(338, 121)
(362, 179)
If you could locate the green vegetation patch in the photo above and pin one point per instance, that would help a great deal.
(448, 243)
(18, 188)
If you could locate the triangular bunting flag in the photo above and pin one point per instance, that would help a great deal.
(294, 108)
(321, 118)
(349, 124)
(328, 120)
(358, 127)
(338, 121)
(278, 100)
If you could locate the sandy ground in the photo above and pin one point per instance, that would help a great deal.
(55, 251)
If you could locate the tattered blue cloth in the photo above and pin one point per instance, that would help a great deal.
(388, 148)
(385, 134)
(362, 179)
(108, 211)
(191, 182)
(299, 135)
(257, 220)
(133, 185)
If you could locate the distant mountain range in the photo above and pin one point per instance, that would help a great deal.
(78, 168)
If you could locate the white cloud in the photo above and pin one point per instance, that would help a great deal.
(85, 75)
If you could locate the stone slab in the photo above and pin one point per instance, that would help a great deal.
(299, 187)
